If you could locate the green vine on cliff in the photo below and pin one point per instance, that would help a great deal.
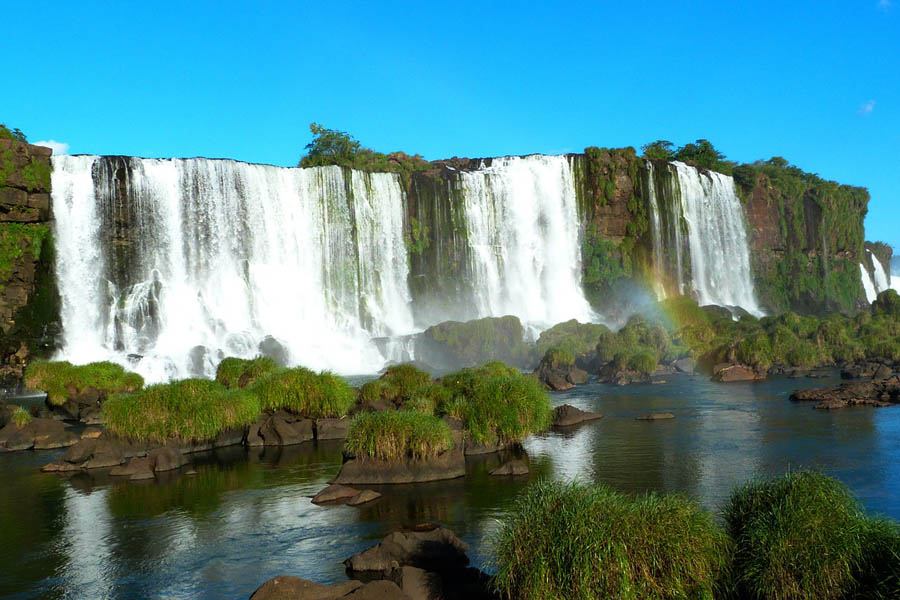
(17, 239)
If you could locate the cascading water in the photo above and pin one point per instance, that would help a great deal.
(880, 278)
(717, 239)
(868, 284)
(524, 240)
(656, 232)
(201, 259)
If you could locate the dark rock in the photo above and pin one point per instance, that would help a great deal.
(419, 584)
(285, 587)
(274, 349)
(449, 465)
(882, 372)
(335, 493)
(656, 417)
(137, 468)
(96, 453)
(727, 373)
(513, 467)
(40, 434)
(230, 437)
(364, 497)
(878, 393)
(332, 429)
(166, 458)
(568, 415)
(685, 365)
(280, 429)
(610, 373)
(428, 546)
(473, 448)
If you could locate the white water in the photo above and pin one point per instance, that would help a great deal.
(524, 239)
(868, 284)
(656, 232)
(717, 239)
(226, 254)
(880, 277)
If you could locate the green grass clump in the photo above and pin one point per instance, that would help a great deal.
(576, 338)
(402, 386)
(585, 542)
(877, 575)
(643, 361)
(235, 372)
(187, 410)
(398, 435)
(59, 378)
(496, 403)
(304, 392)
(557, 357)
(797, 536)
(20, 417)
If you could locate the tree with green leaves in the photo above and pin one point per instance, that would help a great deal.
(329, 147)
(659, 150)
(702, 154)
(11, 134)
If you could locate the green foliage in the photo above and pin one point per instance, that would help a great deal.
(643, 361)
(603, 263)
(877, 575)
(235, 372)
(18, 240)
(497, 404)
(333, 147)
(659, 150)
(578, 339)
(188, 410)
(798, 536)
(60, 379)
(403, 386)
(888, 304)
(417, 239)
(304, 392)
(480, 340)
(703, 154)
(36, 175)
(20, 417)
(585, 542)
(638, 346)
(12, 134)
(557, 357)
(398, 435)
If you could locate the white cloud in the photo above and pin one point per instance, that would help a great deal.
(57, 147)
(867, 108)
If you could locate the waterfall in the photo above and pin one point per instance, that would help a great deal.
(175, 264)
(656, 232)
(880, 277)
(524, 240)
(717, 239)
(868, 285)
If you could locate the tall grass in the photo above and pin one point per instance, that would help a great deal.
(403, 386)
(797, 536)
(20, 417)
(304, 392)
(496, 403)
(586, 542)
(58, 378)
(877, 575)
(398, 435)
(235, 372)
(187, 410)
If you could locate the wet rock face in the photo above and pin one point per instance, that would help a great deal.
(569, 416)
(428, 546)
(37, 434)
(561, 377)
(878, 393)
(734, 372)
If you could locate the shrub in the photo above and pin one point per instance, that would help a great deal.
(20, 417)
(398, 435)
(643, 361)
(574, 541)
(57, 378)
(235, 372)
(797, 536)
(304, 392)
(401, 385)
(188, 410)
(558, 357)
(574, 337)
(496, 403)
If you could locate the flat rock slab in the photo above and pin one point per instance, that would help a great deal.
(357, 471)
(335, 493)
(513, 467)
(568, 415)
(364, 497)
(656, 417)
(878, 393)
(728, 373)
(37, 434)
(286, 587)
(429, 547)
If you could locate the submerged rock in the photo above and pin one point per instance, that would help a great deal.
(513, 467)
(364, 497)
(878, 393)
(335, 493)
(568, 415)
(656, 417)
(449, 465)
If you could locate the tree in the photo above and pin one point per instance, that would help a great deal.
(329, 147)
(701, 153)
(660, 149)
(11, 134)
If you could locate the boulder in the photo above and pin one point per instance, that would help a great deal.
(364, 497)
(335, 493)
(512, 467)
(363, 471)
(137, 468)
(727, 373)
(166, 458)
(419, 584)
(877, 393)
(560, 377)
(286, 587)
(568, 415)
(427, 546)
(38, 434)
(656, 417)
(97, 453)
(280, 428)
(332, 429)
(685, 365)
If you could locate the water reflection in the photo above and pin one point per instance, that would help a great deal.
(243, 517)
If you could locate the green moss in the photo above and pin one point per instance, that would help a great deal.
(304, 392)
(36, 175)
(575, 541)
(60, 378)
(189, 410)
(402, 386)
(558, 357)
(417, 239)
(398, 435)
(239, 372)
(579, 339)
(18, 240)
(474, 342)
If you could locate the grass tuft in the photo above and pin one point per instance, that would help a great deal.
(404, 386)
(304, 392)
(61, 378)
(21, 417)
(240, 372)
(398, 435)
(187, 410)
(585, 542)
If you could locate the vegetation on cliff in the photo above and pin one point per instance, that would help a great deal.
(396, 435)
(12, 134)
(62, 380)
(189, 410)
(18, 240)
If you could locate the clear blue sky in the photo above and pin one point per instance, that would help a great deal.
(817, 82)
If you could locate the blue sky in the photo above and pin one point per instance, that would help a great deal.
(815, 82)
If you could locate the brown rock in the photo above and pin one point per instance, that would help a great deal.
(91, 433)
(285, 587)
(136, 468)
(364, 497)
(419, 584)
(40, 434)
(568, 415)
(335, 493)
(449, 465)
(656, 417)
(429, 547)
(732, 373)
(332, 429)
(166, 458)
